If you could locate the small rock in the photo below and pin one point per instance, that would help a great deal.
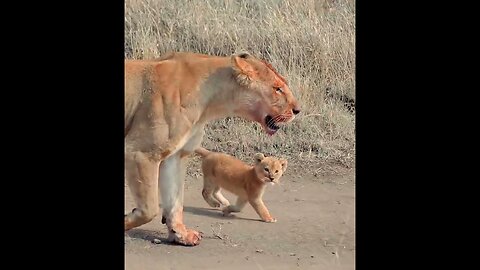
(156, 241)
(259, 251)
(311, 256)
(293, 254)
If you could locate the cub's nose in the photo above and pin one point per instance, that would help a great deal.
(296, 111)
(271, 178)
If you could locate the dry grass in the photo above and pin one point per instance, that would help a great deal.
(312, 43)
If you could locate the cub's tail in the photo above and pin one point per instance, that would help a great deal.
(202, 151)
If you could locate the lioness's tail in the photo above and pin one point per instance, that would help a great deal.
(202, 151)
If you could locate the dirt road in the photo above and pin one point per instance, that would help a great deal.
(315, 230)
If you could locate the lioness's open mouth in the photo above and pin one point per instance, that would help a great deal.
(270, 124)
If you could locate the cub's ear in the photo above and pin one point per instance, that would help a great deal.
(284, 163)
(258, 157)
(245, 71)
(243, 54)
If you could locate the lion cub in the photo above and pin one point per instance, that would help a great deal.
(246, 181)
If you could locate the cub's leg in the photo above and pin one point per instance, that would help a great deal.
(142, 178)
(239, 205)
(261, 209)
(208, 189)
(217, 194)
(171, 178)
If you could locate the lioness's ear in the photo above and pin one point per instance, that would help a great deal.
(284, 163)
(246, 72)
(258, 157)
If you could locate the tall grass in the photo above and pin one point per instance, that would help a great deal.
(312, 43)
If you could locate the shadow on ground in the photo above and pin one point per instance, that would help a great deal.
(213, 212)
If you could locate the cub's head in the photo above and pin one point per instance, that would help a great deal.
(269, 169)
(264, 96)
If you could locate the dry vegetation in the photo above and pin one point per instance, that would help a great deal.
(312, 43)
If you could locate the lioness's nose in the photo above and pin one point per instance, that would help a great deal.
(296, 110)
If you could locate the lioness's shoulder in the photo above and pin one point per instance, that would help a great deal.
(182, 56)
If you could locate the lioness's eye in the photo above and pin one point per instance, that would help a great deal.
(279, 90)
(266, 169)
(276, 171)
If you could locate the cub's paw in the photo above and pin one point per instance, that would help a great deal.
(214, 204)
(226, 211)
(270, 220)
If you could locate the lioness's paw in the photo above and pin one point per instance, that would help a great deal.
(193, 238)
(189, 238)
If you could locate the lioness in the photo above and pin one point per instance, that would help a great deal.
(168, 101)
(247, 182)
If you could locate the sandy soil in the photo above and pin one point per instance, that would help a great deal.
(315, 230)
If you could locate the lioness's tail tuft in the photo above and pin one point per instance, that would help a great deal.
(202, 151)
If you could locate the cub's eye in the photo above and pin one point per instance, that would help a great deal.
(266, 169)
(276, 171)
(279, 90)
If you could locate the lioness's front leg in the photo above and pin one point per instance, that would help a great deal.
(142, 178)
(171, 178)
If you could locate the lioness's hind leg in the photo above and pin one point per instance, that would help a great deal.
(217, 194)
(207, 192)
(142, 178)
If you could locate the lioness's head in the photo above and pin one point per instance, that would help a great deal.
(265, 96)
(269, 169)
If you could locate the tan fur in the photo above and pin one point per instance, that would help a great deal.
(167, 103)
(222, 171)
